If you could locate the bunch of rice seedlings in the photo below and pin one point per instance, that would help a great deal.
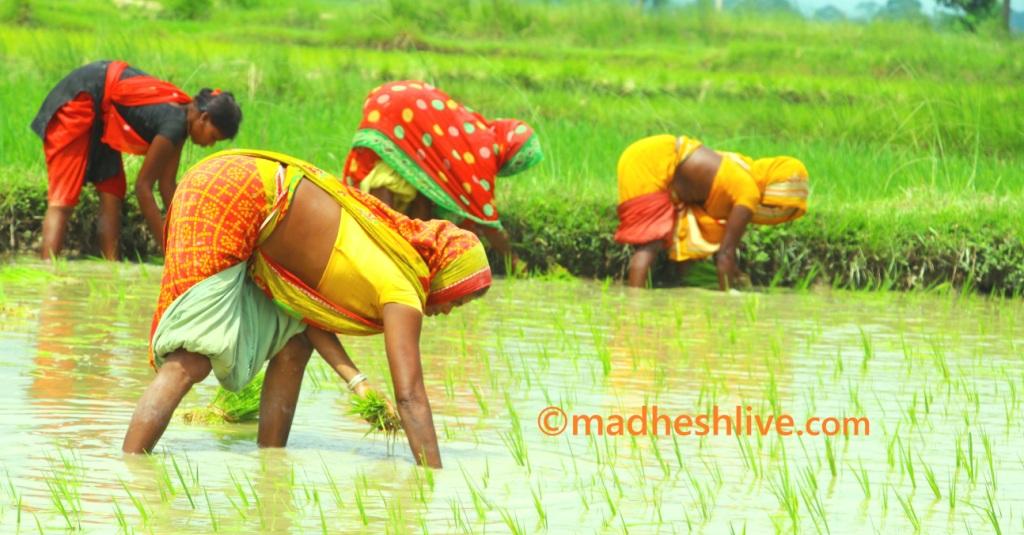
(230, 407)
(373, 408)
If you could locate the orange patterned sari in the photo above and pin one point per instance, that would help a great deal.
(227, 204)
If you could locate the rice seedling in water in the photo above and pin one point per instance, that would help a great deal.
(243, 505)
(209, 509)
(965, 458)
(137, 502)
(750, 459)
(320, 509)
(991, 512)
(512, 521)
(38, 525)
(929, 476)
(459, 516)
(15, 497)
(119, 515)
(782, 488)
(258, 502)
(333, 484)
(657, 454)
(862, 479)
(480, 399)
(987, 444)
(952, 491)
(608, 497)
(704, 497)
(830, 455)
(908, 509)
(64, 501)
(869, 352)
(480, 502)
(230, 407)
(538, 504)
(514, 440)
(184, 486)
(809, 492)
(359, 504)
(908, 464)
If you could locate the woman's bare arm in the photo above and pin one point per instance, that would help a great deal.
(159, 167)
(330, 348)
(402, 325)
(735, 226)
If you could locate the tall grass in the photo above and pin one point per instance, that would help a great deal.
(904, 129)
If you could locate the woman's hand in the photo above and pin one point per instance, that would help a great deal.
(363, 389)
(728, 270)
(725, 262)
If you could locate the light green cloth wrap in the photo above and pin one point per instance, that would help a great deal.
(228, 319)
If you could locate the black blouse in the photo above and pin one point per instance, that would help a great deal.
(149, 121)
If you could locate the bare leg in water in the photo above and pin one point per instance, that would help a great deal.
(640, 263)
(281, 392)
(182, 369)
(55, 226)
(109, 223)
(173, 380)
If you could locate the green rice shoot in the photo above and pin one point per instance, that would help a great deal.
(230, 407)
(373, 408)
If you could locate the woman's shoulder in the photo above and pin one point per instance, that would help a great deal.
(168, 120)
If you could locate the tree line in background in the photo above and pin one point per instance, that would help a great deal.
(969, 14)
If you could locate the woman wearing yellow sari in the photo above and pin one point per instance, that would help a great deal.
(677, 194)
(268, 255)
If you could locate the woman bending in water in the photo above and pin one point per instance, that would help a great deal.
(426, 155)
(104, 109)
(268, 256)
(677, 194)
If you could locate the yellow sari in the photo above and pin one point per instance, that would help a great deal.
(437, 258)
(782, 182)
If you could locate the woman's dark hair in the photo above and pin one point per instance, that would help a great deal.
(223, 110)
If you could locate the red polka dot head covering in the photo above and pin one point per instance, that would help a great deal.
(448, 152)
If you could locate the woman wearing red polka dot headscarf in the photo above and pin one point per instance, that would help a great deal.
(427, 155)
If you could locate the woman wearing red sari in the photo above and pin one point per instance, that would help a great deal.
(425, 155)
(106, 108)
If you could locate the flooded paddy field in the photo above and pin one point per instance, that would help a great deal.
(937, 378)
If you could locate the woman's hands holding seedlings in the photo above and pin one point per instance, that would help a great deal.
(364, 390)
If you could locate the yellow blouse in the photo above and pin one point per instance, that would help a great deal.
(733, 186)
(361, 277)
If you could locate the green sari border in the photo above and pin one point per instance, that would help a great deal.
(398, 160)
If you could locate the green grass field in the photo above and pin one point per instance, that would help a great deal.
(912, 135)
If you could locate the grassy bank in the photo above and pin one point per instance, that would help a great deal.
(912, 135)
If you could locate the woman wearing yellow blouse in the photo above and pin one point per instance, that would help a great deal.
(676, 194)
(269, 257)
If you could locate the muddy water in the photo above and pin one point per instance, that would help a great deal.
(940, 378)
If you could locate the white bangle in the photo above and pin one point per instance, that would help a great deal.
(359, 378)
